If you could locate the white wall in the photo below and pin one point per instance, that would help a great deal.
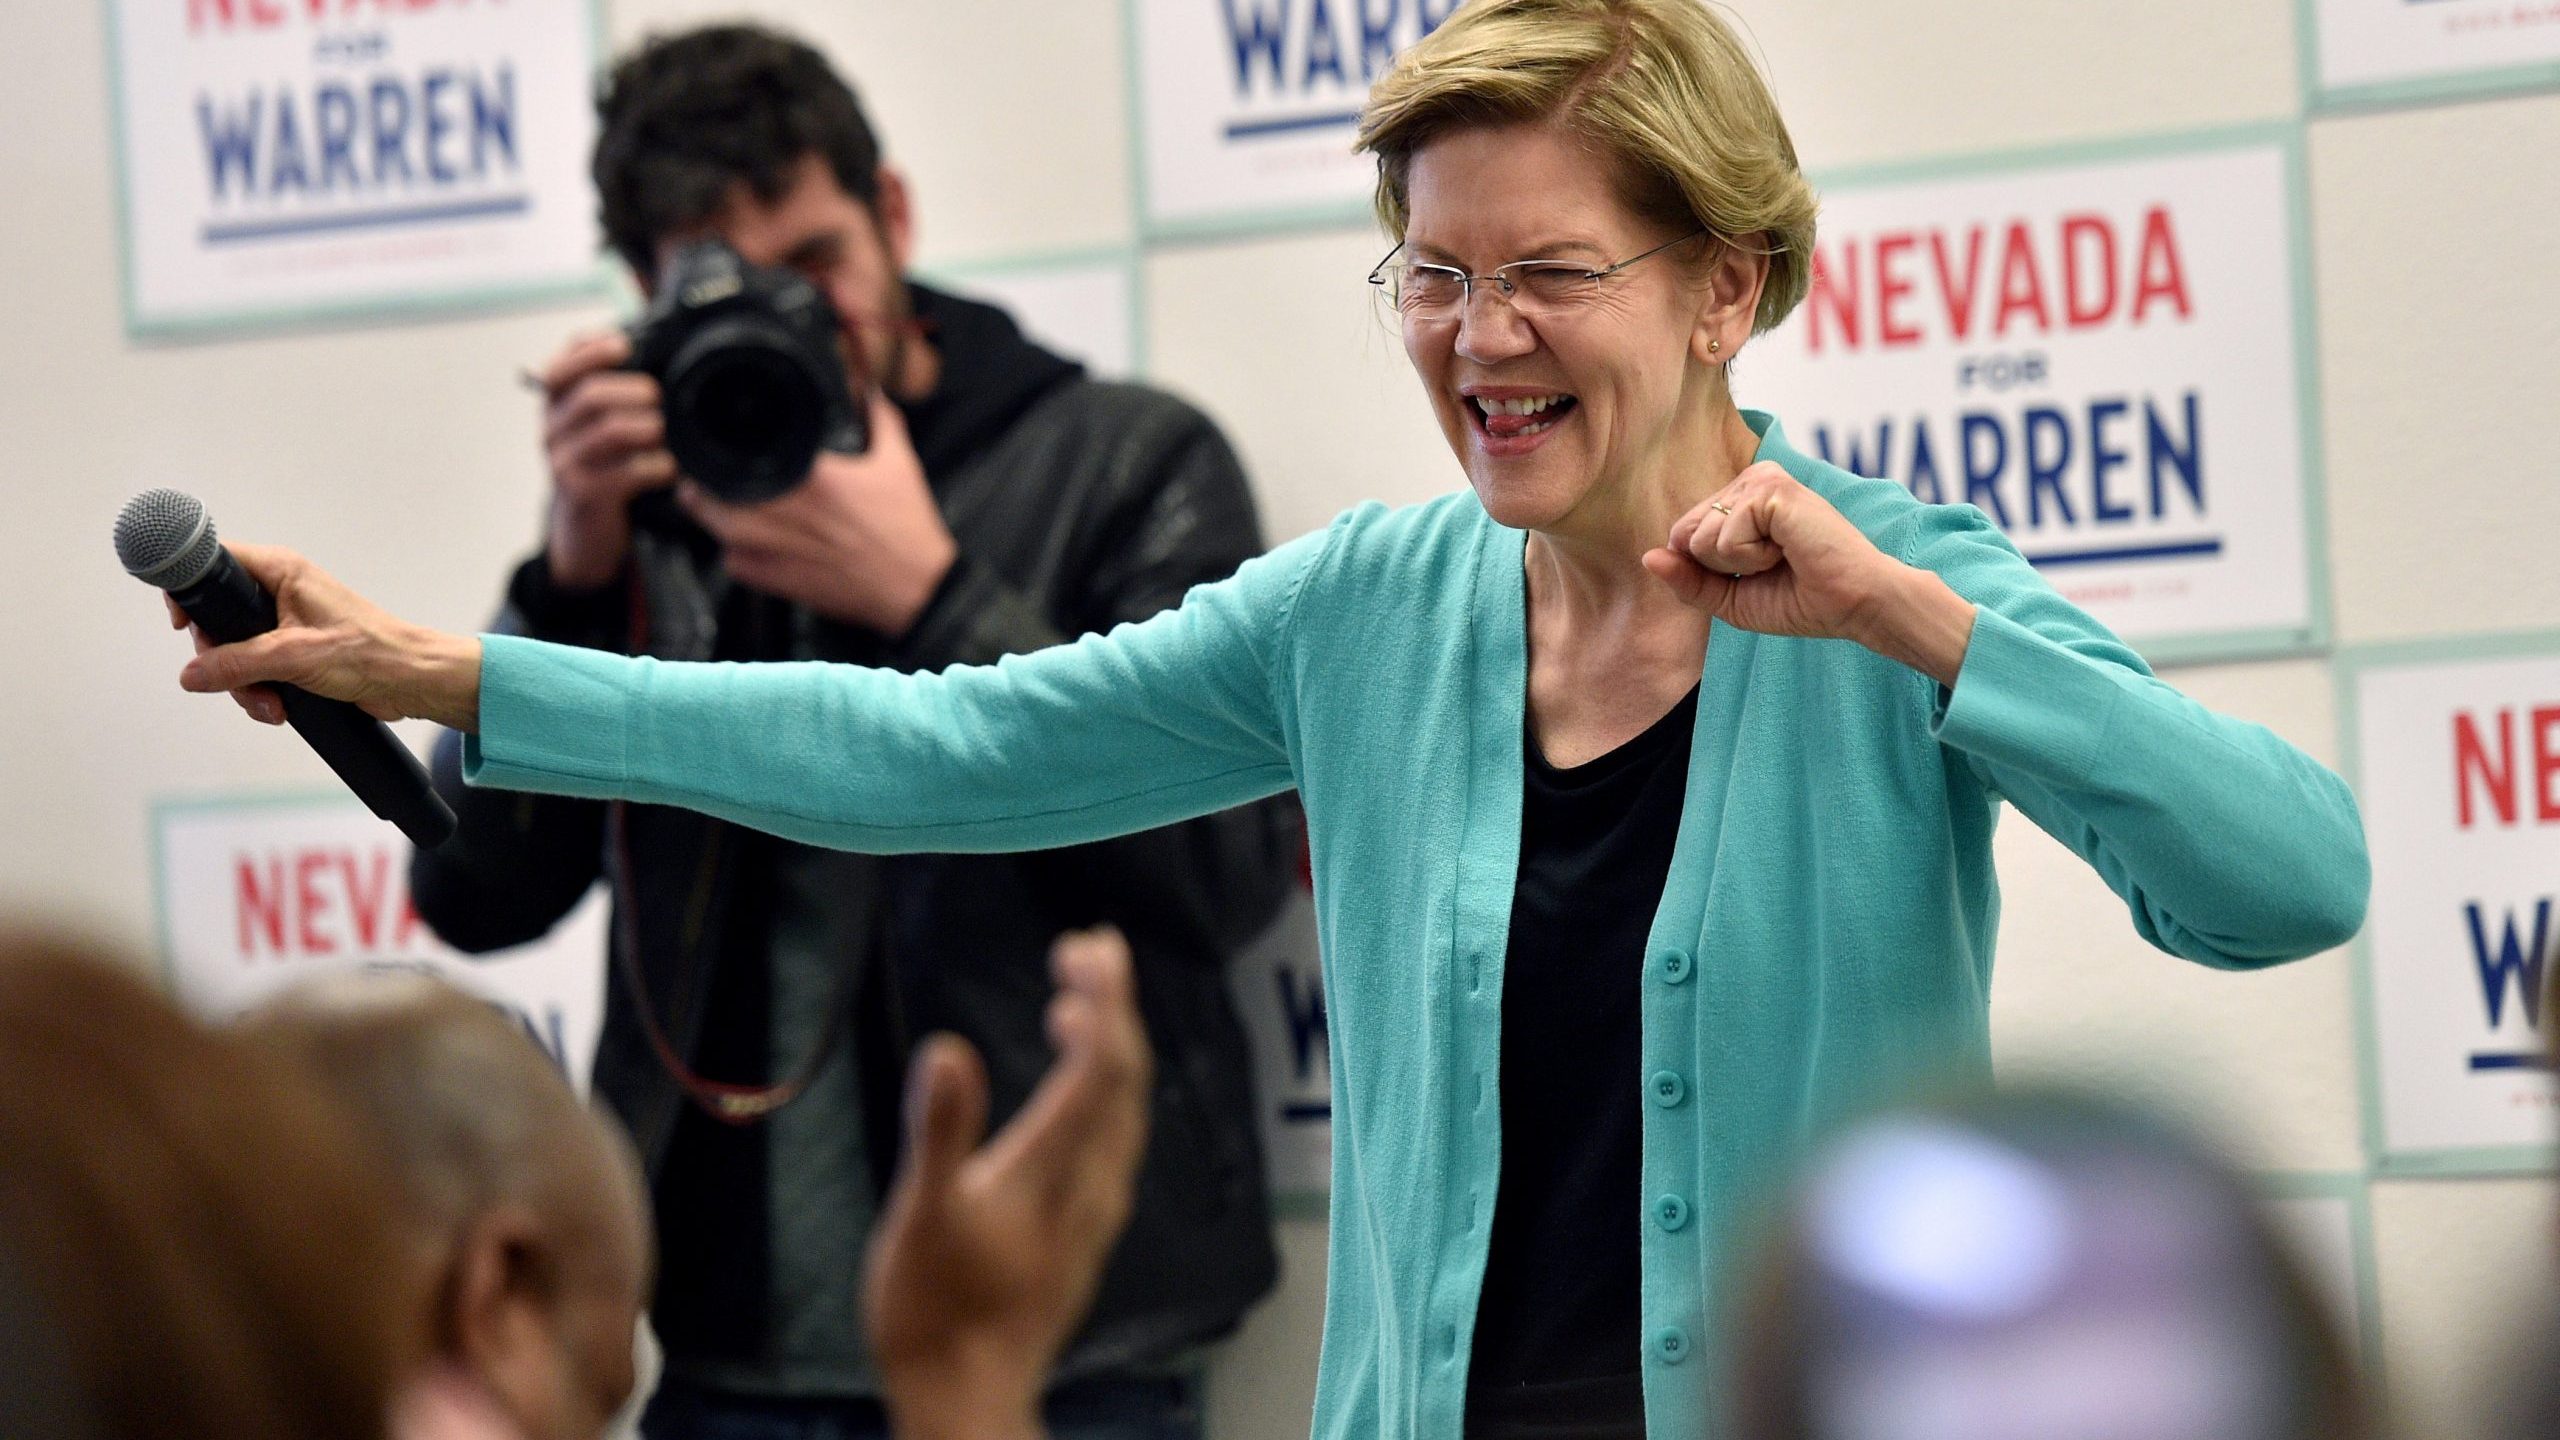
(403, 455)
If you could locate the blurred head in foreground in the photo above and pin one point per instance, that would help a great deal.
(2035, 1267)
(185, 1228)
(521, 1207)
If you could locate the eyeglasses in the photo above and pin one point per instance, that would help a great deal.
(1534, 287)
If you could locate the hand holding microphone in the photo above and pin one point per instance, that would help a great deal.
(294, 646)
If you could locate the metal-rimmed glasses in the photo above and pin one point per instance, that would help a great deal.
(1534, 287)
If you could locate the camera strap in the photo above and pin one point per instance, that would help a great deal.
(727, 1101)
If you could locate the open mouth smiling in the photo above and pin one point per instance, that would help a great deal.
(1509, 417)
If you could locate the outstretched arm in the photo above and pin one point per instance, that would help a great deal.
(1154, 722)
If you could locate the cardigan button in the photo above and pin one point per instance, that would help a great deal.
(1667, 1089)
(1671, 1344)
(1675, 966)
(1670, 1212)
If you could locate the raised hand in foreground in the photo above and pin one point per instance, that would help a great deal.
(987, 1255)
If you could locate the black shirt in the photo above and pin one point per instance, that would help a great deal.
(1556, 1349)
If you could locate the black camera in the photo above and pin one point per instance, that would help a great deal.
(748, 373)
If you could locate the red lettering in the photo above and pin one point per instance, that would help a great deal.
(406, 937)
(259, 906)
(308, 900)
(2546, 763)
(1959, 298)
(365, 896)
(2160, 275)
(2079, 309)
(269, 14)
(2021, 284)
(1892, 286)
(2471, 759)
(1834, 286)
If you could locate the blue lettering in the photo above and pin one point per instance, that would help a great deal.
(551, 1034)
(439, 124)
(1324, 49)
(230, 143)
(1377, 39)
(2044, 471)
(1981, 478)
(493, 120)
(284, 151)
(334, 108)
(1923, 479)
(2522, 963)
(390, 129)
(2104, 457)
(1305, 1014)
(1264, 38)
(1858, 461)
(2169, 453)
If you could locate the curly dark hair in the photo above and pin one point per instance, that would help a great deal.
(685, 117)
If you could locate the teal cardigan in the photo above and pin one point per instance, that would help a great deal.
(1825, 934)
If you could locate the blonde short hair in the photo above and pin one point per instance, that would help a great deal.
(1664, 86)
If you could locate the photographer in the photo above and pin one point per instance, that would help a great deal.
(767, 995)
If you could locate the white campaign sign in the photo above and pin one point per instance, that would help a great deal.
(283, 157)
(2101, 356)
(1279, 994)
(2459, 765)
(1081, 311)
(2385, 42)
(1250, 106)
(258, 894)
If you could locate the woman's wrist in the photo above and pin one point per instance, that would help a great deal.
(443, 684)
(1919, 620)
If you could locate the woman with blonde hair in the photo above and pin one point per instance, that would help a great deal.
(1650, 780)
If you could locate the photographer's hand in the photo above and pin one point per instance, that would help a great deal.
(605, 440)
(862, 541)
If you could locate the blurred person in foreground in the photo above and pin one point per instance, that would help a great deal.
(1650, 779)
(769, 992)
(188, 1230)
(525, 1212)
(523, 1209)
(2035, 1266)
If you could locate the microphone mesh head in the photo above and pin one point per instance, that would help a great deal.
(166, 538)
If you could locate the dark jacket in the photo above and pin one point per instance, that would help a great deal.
(1076, 505)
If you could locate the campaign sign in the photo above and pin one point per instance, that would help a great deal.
(1081, 309)
(286, 158)
(2458, 760)
(1249, 107)
(2102, 356)
(1279, 994)
(257, 894)
(2381, 48)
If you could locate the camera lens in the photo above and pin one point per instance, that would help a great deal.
(745, 415)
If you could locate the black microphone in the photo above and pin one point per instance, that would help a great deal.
(164, 537)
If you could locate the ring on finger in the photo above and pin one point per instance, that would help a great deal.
(1719, 507)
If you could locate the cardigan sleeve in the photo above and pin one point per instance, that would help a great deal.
(1153, 722)
(2230, 846)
